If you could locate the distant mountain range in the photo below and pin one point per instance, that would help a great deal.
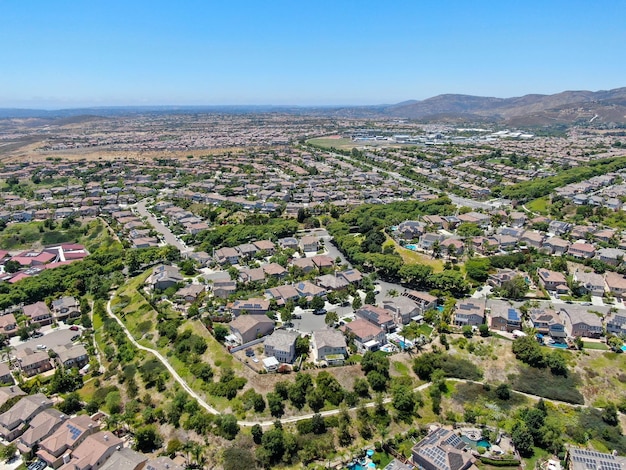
(568, 107)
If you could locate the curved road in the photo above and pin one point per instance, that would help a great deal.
(291, 419)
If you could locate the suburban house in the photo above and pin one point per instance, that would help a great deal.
(503, 275)
(323, 262)
(582, 250)
(190, 292)
(227, 255)
(423, 300)
(555, 246)
(247, 275)
(265, 245)
(251, 306)
(377, 316)
(590, 282)
(250, 327)
(352, 276)
(442, 449)
(410, 229)
(547, 322)
(402, 309)
(553, 281)
(16, 420)
(331, 282)
(327, 345)
(246, 250)
(164, 276)
(9, 393)
(8, 325)
(469, 312)
(128, 459)
(274, 270)
(615, 283)
(92, 452)
(72, 355)
(5, 374)
(309, 290)
(65, 307)
(579, 322)
(224, 289)
(288, 242)
(504, 317)
(38, 313)
(306, 264)
(616, 323)
(281, 344)
(309, 244)
(283, 293)
(612, 256)
(162, 463)
(33, 362)
(66, 438)
(531, 238)
(367, 336)
(40, 427)
(585, 459)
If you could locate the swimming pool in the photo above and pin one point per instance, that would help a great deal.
(480, 443)
(624, 347)
(411, 247)
(558, 345)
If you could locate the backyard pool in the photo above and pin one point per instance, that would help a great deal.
(411, 247)
(558, 345)
(624, 347)
(479, 443)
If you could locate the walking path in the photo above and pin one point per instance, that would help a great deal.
(291, 419)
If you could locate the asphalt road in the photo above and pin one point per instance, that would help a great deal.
(167, 234)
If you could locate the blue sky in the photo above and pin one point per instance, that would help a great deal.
(59, 54)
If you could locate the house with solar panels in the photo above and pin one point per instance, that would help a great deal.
(442, 449)
(585, 459)
(65, 439)
(504, 317)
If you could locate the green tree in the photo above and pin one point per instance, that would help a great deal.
(478, 269)
(147, 439)
(331, 318)
(522, 439)
(275, 404)
(317, 303)
(503, 391)
(7, 453)
(357, 303)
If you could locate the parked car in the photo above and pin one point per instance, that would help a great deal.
(249, 352)
(74, 328)
(42, 346)
(74, 338)
(37, 334)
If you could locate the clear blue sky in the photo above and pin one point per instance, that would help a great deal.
(58, 54)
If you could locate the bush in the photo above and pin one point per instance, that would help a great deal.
(543, 383)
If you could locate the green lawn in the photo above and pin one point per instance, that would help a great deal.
(594, 345)
(328, 142)
(539, 205)
(413, 257)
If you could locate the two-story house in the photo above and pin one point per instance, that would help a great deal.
(281, 344)
(469, 312)
(328, 345)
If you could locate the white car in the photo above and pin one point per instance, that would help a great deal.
(42, 346)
